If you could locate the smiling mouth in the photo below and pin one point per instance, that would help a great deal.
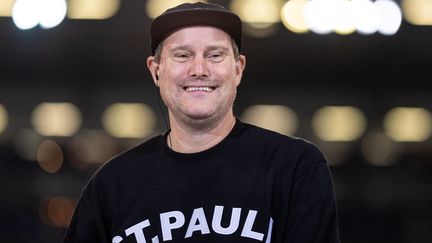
(199, 88)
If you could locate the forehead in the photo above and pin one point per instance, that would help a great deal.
(198, 36)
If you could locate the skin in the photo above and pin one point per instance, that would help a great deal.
(198, 80)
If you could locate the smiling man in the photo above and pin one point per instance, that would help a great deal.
(210, 177)
(198, 74)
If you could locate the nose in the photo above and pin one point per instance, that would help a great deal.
(199, 68)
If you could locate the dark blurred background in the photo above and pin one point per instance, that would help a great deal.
(68, 92)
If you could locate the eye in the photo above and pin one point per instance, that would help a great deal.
(216, 56)
(181, 56)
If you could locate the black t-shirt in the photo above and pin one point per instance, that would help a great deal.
(254, 186)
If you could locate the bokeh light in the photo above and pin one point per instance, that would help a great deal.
(27, 14)
(156, 7)
(417, 12)
(320, 15)
(50, 156)
(408, 124)
(343, 20)
(56, 211)
(4, 118)
(60, 211)
(339, 123)
(129, 120)
(24, 14)
(6, 8)
(258, 13)
(92, 9)
(292, 16)
(277, 118)
(259, 16)
(51, 12)
(365, 16)
(344, 16)
(56, 119)
(390, 16)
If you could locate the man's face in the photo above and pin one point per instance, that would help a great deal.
(198, 73)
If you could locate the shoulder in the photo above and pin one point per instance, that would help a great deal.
(291, 147)
(126, 162)
(119, 172)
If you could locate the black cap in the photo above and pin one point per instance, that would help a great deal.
(195, 14)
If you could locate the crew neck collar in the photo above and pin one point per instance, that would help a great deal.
(202, 154)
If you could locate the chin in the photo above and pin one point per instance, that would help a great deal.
(199, 116)
(201, 112)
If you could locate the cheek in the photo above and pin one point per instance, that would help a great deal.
(234, 78)
(225, 73)
(173, 70)
(176, 73)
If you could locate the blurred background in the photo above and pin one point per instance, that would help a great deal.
(353, 77)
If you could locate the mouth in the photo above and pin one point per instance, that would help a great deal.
(199, 88)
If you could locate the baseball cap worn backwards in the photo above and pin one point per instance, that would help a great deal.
(199, 13)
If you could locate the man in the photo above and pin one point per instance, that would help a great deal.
(210, 178)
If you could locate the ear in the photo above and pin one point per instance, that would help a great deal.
(153, 67)
(240, 66)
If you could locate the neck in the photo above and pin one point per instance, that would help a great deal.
(193, 138)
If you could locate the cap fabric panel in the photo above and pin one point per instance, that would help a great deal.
(195, 14)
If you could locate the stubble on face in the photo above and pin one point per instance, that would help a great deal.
(198, 88)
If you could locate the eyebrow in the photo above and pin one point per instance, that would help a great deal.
(208, 48)
(216, 47)
(183, 47)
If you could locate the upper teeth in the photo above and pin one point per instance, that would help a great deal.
(207, 89)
